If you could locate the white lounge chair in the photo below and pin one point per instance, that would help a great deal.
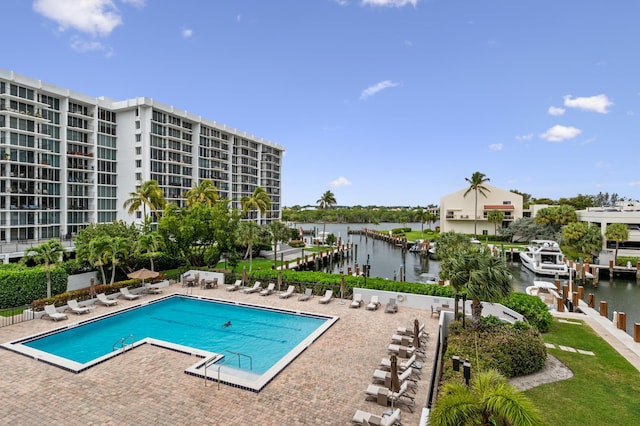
(328, 295)
(374, 303)
(382, 376)
(392, 306)
(72, 304)
(235, 286)
(385, 363)
(269, 290)
(103, 299)
(124, 292)
(402, 351)
(384, 395)
(365, 418)
(51, 312)
(357, 301)
(257, 286)
(308, 294)
(287, 293)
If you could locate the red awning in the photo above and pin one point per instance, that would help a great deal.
(499, 207)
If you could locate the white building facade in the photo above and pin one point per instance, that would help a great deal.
(458, 213)
(67, 159)
(627, 212)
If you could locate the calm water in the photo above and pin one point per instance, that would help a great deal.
(264, 335)
(387, 261)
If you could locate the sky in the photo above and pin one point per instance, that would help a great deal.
(382, 102)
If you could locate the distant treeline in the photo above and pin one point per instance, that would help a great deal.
(356, 214)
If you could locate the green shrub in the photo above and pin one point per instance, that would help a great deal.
(534, 310)
(297, 244)
(512, 349)
(622, 260)
(21, 284)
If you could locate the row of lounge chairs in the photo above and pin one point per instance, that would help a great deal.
(270, 289)
(373, 304)
(408, 375)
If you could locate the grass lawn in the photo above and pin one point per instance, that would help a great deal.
(604, 389)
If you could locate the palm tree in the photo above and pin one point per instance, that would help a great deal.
(149, 243)
(327, 201)
(204, 192)
(278, 232)
(247, 233)
(116, 248)
(49, 254)
(496, 217)
(260, 201)
(423, 216)
(617, 232)
(476, 185)
(489, 401)
(148, 194)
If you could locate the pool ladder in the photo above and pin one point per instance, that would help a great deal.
(234, 355)
(123, 343)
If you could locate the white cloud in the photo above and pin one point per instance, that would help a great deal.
(372, 90)
(560, 133)
(342, 2)
(556, 111)
(389, 3)
(186, 32)
(496, 147)
(634, 183)
(598, 103)
(341, 181)
(136, 3)
(526, 137)
(80, 45)
(95, 17)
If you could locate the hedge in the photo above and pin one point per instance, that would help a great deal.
(21, 285)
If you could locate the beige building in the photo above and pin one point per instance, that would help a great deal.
(457, 212)
(627, 212)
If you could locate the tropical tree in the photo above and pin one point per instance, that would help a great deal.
(480, 275)
(422, 216)
(248, 232)
(582, 237)
(147, 195)
(496, 217)
(259, 200)
(327, 201)
(617, 232)
(48, 254)
(476, 184)
(116, 250)
(279, 233)
(150, 243)
(489, 401)
(204, 192)
(556, 216)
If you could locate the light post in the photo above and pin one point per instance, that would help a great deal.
(466, 368)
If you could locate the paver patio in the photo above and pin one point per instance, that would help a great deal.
(323, 386)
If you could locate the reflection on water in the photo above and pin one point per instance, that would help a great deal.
(387, 261)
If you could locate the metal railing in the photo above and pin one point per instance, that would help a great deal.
(10, 316)
(122, 343)
(234, 355)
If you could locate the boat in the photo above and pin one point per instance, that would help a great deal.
(544, 257)
(547, 292)
(417, 247)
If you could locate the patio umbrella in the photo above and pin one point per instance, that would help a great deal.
(416, 333)
(143, 274)
(394, 385)
(341, 284)
(244, 275)
(279, 279)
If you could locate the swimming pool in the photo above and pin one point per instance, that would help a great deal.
(261, 340)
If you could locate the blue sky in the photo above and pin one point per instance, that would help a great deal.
(383, 102)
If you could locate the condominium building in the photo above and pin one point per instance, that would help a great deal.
(68, 159)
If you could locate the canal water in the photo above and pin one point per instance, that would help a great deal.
(387, 261)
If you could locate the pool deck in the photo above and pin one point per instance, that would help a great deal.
(325, 385)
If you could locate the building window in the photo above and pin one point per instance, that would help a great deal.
(138, 137)
(138, 163)
(137, 124)
(138, 177)
(139, 214)
(506, 203)
(485, 232)
(138, 150)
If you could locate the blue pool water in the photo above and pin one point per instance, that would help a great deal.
(265, 335)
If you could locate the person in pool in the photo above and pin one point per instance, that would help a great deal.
(227, 324)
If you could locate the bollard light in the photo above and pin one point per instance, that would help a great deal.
(456, 363)
(467, 371)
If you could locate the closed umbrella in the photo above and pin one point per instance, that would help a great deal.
(341, 287)
(279, 279)
(394, 385)
(416, 333)
(244, 275)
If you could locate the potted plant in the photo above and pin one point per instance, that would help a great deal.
(6, 155)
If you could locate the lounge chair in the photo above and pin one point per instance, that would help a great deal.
(403, 351)
(271, 288)
(308, 294)
(287, 293)
(152, 289)
(72, 305)
(365, 418)
(257, 286)
(392, 306)
(357, 301)
(104, 300)
(51, 313)
(381, 376)
(235, 286)
(124, 291)
(400, 339)
(385, 363)
(328, 295)
(383, 395)
(374, 303)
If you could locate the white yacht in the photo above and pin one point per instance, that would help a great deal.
(547, 292)
(544, 257)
